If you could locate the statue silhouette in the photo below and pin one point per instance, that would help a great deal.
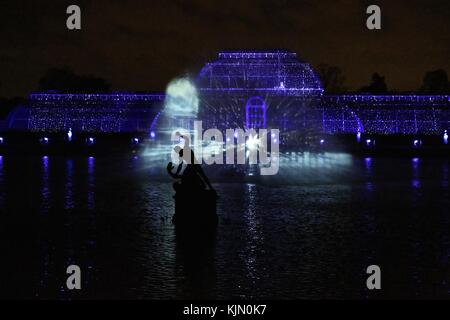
(195, 198)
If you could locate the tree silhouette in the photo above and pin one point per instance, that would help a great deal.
(332, 78)
(65, 80)
(8, 104)
(435, 82)
(377, 85)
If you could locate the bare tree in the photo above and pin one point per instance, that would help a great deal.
(332, 78)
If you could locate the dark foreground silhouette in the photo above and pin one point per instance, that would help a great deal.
(195, 198)
(195, 221)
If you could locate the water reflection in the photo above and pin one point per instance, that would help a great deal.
(254, 238)
(368, 162)
(45, 188)
(195, 258)
(279, 236)
(444, 181)
(309, 167)
(415, 173)
(1, 182)
(69, 202)
(91, 184)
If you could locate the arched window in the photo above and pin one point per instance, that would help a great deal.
(255, 113)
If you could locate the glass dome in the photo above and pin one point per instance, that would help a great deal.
(262, 71)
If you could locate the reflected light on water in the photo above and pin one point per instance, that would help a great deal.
(91, 184)
(1, 181)
(444, 176)
(254, 243)
(45, 188)
(69, 204)
(308, 167)
(415, 174)
(273, 238)
(368, 163)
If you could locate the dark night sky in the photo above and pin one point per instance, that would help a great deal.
(141, 45)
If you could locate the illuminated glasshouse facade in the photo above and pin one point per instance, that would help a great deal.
(247, 90)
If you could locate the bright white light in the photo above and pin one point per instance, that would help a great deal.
(152, 134)
(69, 134)
(252, 142)
(181, 99)
(370, 142)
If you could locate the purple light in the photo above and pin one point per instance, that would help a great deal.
(257, 55)
(417, 143)
(370, 142)
(322, 141)
(44, 140)
(45, 161)
(445, 137)
(90, 141)
(118, 112)
(386, 114)
(255, 113)
(277, 71)
(1, 140)
(135, 141)
(264, 78)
